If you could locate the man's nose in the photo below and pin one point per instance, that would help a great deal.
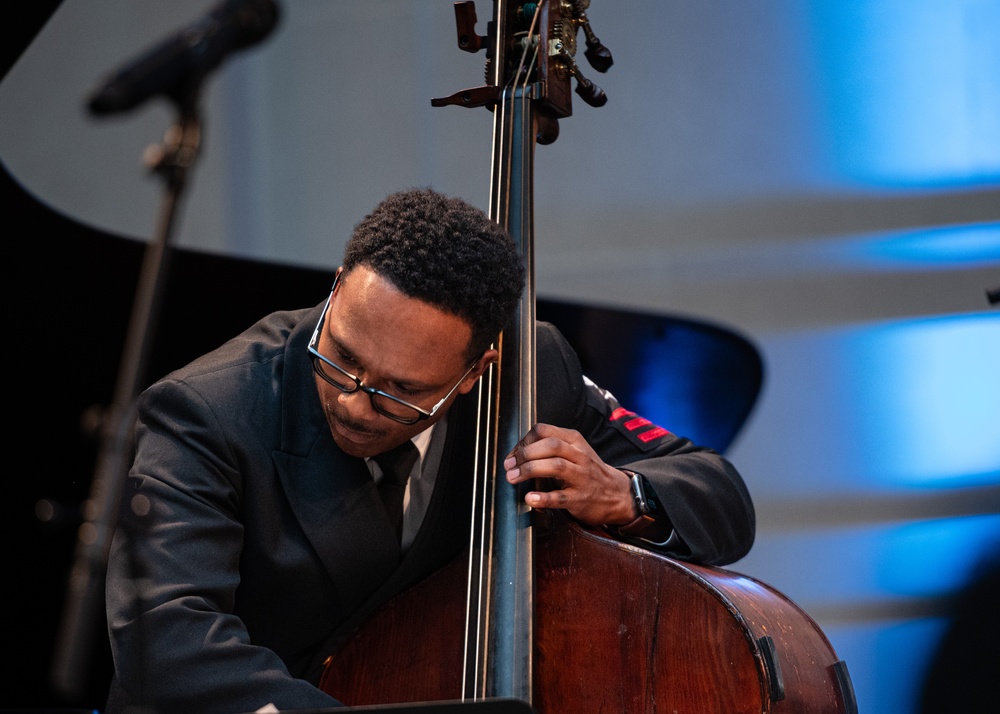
(358, 404)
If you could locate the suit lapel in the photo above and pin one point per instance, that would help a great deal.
(331, 494)
(443, 535)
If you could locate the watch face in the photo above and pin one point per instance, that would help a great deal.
(645, 496)
(651, 502)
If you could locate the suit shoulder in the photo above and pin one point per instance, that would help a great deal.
(260, 343)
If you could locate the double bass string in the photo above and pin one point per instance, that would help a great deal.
(475, 665)
(479, 534)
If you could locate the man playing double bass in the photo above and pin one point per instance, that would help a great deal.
(254, 522)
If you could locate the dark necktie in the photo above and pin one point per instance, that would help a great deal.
(396, 465)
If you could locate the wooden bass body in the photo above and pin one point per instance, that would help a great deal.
(617, 629)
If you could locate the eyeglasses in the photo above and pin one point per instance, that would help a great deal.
(384, 403)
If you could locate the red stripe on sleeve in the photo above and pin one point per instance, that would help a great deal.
(620, 412)
(656, 433)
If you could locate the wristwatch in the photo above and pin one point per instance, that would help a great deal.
(651, 519)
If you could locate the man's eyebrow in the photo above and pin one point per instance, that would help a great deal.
(338, 345)
(401, 382)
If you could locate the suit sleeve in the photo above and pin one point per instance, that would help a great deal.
(702, 493)
(175, 568)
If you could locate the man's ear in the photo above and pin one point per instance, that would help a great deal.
(482, 364)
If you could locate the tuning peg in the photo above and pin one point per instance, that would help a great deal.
(588, 91)
(597, 54)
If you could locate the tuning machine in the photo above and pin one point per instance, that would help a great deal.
(563, 48)
(536, 43)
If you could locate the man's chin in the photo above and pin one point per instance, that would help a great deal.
(354, 450)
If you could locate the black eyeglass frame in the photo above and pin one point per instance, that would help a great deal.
(318, 360)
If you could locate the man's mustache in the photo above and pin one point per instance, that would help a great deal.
(351, 424)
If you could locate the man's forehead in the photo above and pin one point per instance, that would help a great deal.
(373, 320)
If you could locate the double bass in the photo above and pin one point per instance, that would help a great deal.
(527, 614)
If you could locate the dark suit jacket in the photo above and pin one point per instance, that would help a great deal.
(247, 537)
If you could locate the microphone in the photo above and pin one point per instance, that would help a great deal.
(176, 66)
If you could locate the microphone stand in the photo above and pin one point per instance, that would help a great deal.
(83, 608)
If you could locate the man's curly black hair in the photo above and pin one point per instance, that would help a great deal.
(443, 251)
